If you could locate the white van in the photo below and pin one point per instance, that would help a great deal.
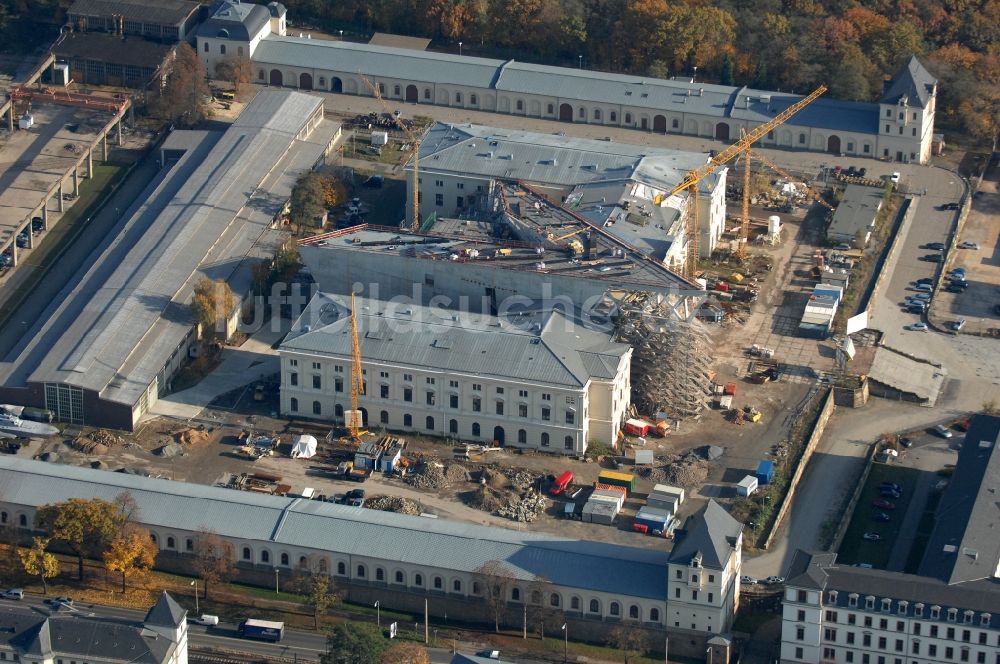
(206, 619)
(13, 593)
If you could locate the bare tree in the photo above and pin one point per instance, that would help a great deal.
(235, 69)
(497, 579)
(214, 558)
(629, 637)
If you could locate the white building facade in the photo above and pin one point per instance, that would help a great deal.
(514, 390)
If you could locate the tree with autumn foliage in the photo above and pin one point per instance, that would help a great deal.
(214, 558)
(86, 526)
(237, 70)
(183, 100)
(39, 562)
(212, 304)
(132, 552)
(406, 652)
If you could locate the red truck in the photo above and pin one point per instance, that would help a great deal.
(561, 483)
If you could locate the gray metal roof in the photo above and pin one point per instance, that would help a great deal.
(564, 83)
(826, 575)
(551, 159)
(912, 83)
(546, 348)
(166, 612)
(965, 543)
(163, 12)
(373, 534)
(119, 321)
(711, 533)
(237, 20)
(856, 212)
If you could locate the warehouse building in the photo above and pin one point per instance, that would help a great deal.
(403, 560)
(854, 220)
(105, 352)
(167, 21)
(32, 635)
(526, 379)
(899, 127)
(100, 59)
(618, 186)
(946, 612)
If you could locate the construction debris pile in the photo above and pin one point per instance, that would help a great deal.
(429, 476)
(507, 492)
(192, 436)
(88, 446)
(670, 361)
(688, 470)
(525, 507)
(104, 437)
(393, 504)
(519, 479)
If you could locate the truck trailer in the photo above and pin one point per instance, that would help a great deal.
(262, 630)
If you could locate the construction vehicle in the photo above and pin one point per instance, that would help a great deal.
(414, 153)
(575, 247)
(690, 183)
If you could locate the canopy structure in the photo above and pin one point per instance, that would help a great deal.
(304, 447)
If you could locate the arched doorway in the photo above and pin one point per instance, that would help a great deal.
(411, 94)
(305, 82)
(565, 113)
(498, 435)
(660, 124)
(644, 123)
(833, 144)
(276, 78)
(722, 132)
(336, 85)
(364, 416)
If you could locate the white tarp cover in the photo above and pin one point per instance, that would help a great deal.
(304, 447)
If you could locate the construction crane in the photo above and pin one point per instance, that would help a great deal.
(414, 152)
(354, 422)
(690, 183)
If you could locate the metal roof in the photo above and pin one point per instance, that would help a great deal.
(132, 50)
(965, 543)
(912, 83)
(536, 347)
(163, 12)
(712, 534)
(856, 212)
(240, 21)
(127, 311)
(372, 534)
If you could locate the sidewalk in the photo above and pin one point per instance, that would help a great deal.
(239, 367)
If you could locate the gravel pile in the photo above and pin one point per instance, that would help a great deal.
(523, 508)
(430, 476)
(685, 471)
(456, 474)
(487, 499)
(104, 437)
(494, 478)
(393, 504)
(520, 479)
(169, 450)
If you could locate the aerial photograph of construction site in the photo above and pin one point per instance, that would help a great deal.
(355, 335)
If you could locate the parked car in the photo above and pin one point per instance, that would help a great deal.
(862, 172)
(37, 224)
(917, 327)
(925, 297)
(355, 497)
(962, 425)
(872, 537)
(942, 431)
(748, 580)
(957, 325)
(851, 172)
(59, 601)
(968, 245)
(924, 288)
(925, 280)
(13, 593)
(894, 178)
(934, 246)
(774, 580)
(892, 485)
(957, 272)
(907, 443)
(948, 206)
(205, 619)
(883, 504)
(932, 258)
(890, 493)
(916, 309)
(880, 516)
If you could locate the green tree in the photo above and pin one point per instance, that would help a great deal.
(39, 562)
(307, 201)
(726, 73)
(321, 596)
(85, 526)
(355, 643)
(760, 76)
(658, 69)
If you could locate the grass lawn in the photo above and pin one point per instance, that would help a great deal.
(855, 549)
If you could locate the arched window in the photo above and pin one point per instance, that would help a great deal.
(427, 93)
(522, 436)
(293, 405)
(582, 113)
(597, 114)
(322, 81)
(438, 583)
(633, 612)
(628, 118)
(246, 553)
(170, 543)
(453, 426)
(473, 99)
(341, 568)
(361, 571)
(383, 417)
(554, 599)
(574, 603)
(520, 104)
(379, 574)
(475, 588)
(22, 520)
(284, 559)
(456, 586)
(303, 562)
(317, 408)
(654, 615)
(475, 429)
(615, 609)
(430, 423)
(322, 566)
(458, 97)
(545, 439)
(189, 544)
(407, 420)
(222, 49)
(418, 580)
(614, 116)
(515, 595)
(265, 556)
(152, 536)
(260, 74)
(399, 577)
(551, 109)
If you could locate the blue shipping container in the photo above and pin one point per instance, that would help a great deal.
(765, 472)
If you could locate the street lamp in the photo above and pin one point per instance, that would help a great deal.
(666, 650)
(276, 570)
(341, 35)
(565, 643)
(708, 651)
(195, 584)
(378, 615)
(435, 638)
(460, 48)
(581, 61)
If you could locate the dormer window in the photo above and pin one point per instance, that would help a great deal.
(223, 34)
(967, 618)
(869, 602)
(918, 610)
(901, 607)
(831, 597)
(852, 600)
(952, 615)
(935, 612)
(886, 604)
(984, 620)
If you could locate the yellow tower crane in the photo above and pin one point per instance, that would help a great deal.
(690, 183)
(354, 422)
(414, 153)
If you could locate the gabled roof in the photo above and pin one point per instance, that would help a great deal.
(711, 534)
(163, 12)
(808, 570)
(912, 82)
(239, 21)
(35, 641)
(165, 613)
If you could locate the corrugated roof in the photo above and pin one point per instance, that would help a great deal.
(545, 348)
(856, 212)
(373, 534)
(163, 12)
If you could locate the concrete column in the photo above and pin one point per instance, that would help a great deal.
(45, 215)
(10, 118)
(119, 132)
(31, 233)
(62, 207)
(104, 145)
(14, 251)
(90, 163)
(76, 180)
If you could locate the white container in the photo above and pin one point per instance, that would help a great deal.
(746, 486)
(380, 137)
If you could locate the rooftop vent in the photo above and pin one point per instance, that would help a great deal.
(765, 99)
(985, 444)
(972, 553)
(444, 344)
(950, 548)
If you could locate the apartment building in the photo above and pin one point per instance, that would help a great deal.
(529, 379)
(945, 613)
